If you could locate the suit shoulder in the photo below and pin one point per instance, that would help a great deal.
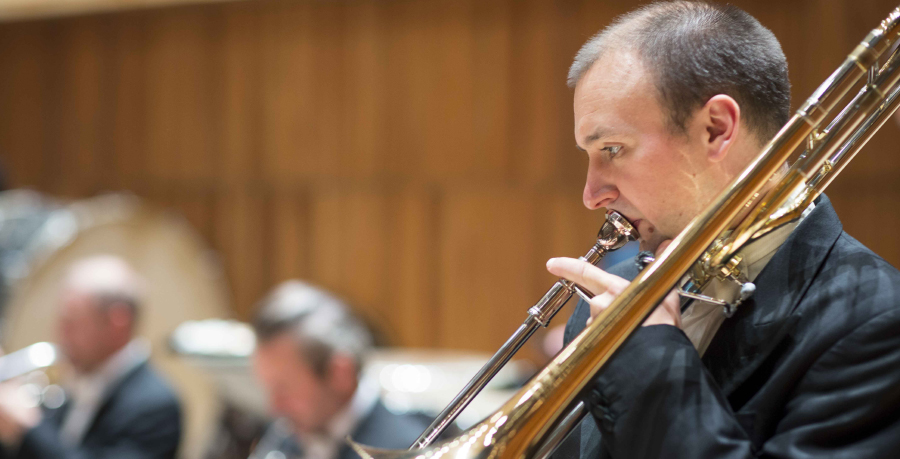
(145, 387)
(142, 408)
(384, 428)
(847, 245)
(855, 267)
(852, 286)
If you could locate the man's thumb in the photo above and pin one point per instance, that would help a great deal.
(662, 247)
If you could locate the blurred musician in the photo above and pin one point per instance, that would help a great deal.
(117, 406)
(672, 102)
(310, 350)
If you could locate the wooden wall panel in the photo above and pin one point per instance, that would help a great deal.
(289, 151)
(238, 58)
(127, 95)
(497, 228)
(81, 144)
(240, 233)
(182, 109)
(374, 246)
(288, 239)
(364, 73)
(414, 156)
(414, 307)
(22, 84)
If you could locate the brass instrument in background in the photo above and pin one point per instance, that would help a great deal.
(36, 357)
(533, 422)
(31, 364)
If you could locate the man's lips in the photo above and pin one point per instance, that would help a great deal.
(636, 225)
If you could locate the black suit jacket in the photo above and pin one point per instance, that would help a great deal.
(808, 367)
(385, 429)
(381, 429)
(140, 419)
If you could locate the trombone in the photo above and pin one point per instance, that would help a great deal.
(38, 356)
(539, 416)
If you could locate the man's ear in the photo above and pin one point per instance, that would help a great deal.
(120, 316)
(721, 118)
(342, 373)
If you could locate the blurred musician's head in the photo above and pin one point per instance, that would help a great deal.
(310, 349)
(672, 101)
(99, 303)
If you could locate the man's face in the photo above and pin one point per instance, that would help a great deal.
(636, 165)
(295, 391)
(83, 331)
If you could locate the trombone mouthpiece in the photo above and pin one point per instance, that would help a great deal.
(616, 232)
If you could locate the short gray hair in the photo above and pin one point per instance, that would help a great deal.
(320, 323)
(108, 280)
(695, 51)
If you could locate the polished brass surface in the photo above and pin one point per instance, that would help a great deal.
(522, 427)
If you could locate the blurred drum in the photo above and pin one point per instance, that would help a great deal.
(40, 237)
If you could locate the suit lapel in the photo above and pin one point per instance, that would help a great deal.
(110, 397)
(57, 415)
(362, 432)
(744, 342)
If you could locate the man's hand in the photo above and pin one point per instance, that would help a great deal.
(607, 287)
(17, 413)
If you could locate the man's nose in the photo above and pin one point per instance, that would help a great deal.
(598, 191)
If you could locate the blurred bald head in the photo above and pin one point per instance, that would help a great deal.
(99, 303)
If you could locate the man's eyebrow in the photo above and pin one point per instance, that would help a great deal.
(598, 134)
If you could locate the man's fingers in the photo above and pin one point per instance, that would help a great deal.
(585, 274)
(603, 285)
(601, 302)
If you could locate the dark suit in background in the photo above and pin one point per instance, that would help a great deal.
(381, 428)
(385, 429)
(139, 419)
(808, 367)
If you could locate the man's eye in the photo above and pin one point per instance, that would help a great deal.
(613, 150)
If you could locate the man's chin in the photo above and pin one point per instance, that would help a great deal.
(304, 429)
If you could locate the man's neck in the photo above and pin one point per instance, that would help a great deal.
(354, 407)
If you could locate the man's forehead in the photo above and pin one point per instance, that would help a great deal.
(615, 74)
(76, 300)
(614, 87)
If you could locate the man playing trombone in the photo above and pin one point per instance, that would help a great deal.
(672, 102)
